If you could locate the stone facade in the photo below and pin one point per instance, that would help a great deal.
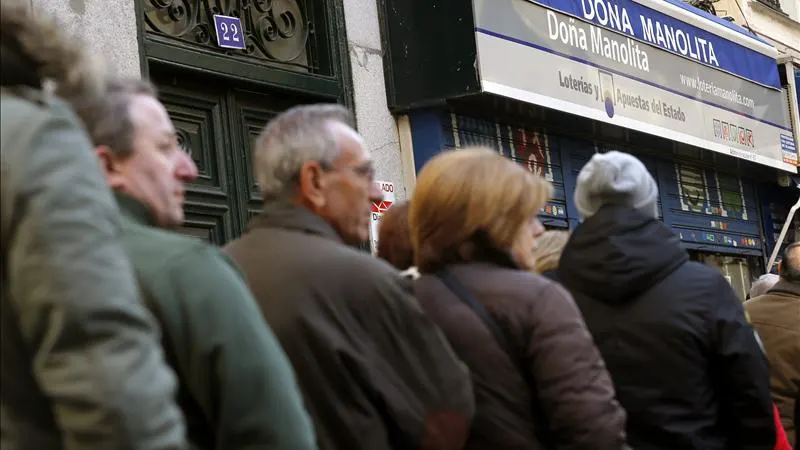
(111, 31)
(108, 30)
(375, 123)
(780, 27)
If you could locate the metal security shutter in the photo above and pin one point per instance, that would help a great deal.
(533, 148)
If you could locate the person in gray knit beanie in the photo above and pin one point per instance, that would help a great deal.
(615, 178)
(662, 322)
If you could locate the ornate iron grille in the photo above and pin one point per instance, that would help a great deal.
(774, 4)
(277, 31)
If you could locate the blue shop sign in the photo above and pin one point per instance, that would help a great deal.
(736, 55)
(797, 85)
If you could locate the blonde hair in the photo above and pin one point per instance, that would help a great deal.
(472, 204)
(549, 246)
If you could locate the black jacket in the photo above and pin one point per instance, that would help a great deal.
(684, 360)
(551, 275)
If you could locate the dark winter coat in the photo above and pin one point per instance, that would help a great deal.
(375, 372)
(237, 389)
(685, 362)
(573, 406)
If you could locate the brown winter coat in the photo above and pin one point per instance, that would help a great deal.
(576, 399)
(776, 317)
(375, 372)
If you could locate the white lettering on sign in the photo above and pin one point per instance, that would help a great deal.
(667, 36)
(608, 15)
(573, 33)
(377, 209)
(679, 41)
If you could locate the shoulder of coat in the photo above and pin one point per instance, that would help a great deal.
(161, 245)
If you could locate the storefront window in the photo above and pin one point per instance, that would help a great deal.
(731, 196)
(692, 188)
(739, 271)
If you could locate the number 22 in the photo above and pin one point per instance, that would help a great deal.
(233, 29)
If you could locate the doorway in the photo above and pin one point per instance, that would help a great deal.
(217, 120)
(740, 271)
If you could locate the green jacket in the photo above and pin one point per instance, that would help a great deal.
(81, 365)
(237, 388)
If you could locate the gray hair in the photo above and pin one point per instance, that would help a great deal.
(107, 117)
(291, 139)
(763, 284)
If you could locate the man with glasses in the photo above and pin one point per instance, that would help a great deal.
(236, 389)
(376, 374)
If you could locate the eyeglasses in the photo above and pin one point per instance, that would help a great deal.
(364, 170)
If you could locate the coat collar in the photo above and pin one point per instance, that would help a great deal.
(134, 209)
(288, 216)
(785, 287)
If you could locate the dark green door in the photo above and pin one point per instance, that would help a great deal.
(217, 121)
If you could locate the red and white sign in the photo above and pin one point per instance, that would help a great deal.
(377, 209)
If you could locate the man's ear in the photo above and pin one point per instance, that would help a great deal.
(312, 184)
(110, 163)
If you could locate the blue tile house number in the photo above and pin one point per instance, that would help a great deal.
(229, 31)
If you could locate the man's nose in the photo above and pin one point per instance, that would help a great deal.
(186, 170)
(375, 193)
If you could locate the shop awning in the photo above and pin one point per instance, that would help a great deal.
(656, 66)
(742, 35)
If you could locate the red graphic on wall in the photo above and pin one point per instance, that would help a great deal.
(381, 206)
(531, 150)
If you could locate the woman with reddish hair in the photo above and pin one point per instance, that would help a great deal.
(539, 381)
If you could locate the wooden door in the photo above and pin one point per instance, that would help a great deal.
(217, 122)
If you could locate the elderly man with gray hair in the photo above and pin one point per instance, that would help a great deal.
(376, 374)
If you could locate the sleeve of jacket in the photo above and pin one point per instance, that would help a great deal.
(234, 365)
(419, 382)
(742, 372)
(572, 383)
(95, 348)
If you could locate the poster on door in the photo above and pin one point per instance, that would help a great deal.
(377, 210)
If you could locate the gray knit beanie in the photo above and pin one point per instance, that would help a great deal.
(615, 178)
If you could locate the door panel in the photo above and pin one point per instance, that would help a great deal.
(217, 124)
(198, 114)
(251, 111)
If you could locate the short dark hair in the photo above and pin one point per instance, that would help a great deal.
(107, 117)
(790, 266)
(394, 237)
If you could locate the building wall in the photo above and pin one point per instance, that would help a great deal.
(374, 120)
(111, 31)
(108, 27)
(781, 29)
